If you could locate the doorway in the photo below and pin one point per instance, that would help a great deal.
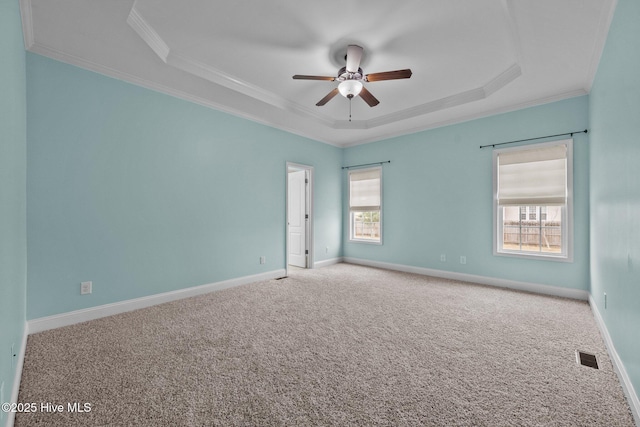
(299, 216)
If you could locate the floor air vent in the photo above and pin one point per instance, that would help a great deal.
(586, 359)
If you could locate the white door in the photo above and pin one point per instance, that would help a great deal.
(297, 223)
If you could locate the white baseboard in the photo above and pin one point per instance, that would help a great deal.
(491, 281)
(625, 381)
(627, 385)
(17, 376)
(327, 262)
(78, 316)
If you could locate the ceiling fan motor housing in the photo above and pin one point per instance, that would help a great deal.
(343, 75)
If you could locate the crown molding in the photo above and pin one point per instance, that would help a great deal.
(602, 31)
(343, 124)
(146, 32)
(467, 118)
(96, 67)
(57, 55)
(494, 85)
(430, 107)
(27, 23)
(502, 79)
(205, 71)
(476, 94)
(212, 74)
(516, 44)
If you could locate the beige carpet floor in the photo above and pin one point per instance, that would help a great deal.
(343, 345)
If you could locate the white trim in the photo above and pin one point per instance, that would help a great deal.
(466, 118)
(197, 68)
(602, 31)
(57, 55)
(148, 34)
(328, 262)
(567, 217)
(18, 375)
(27, 23)
(309, 226)
(178, 60)
(212, 74)
(516, 41)
(367, 209)
(49, 52)
(78, 316)
(98, 68)
(579, 294)
(154, 40)
(501, 80)
(625, 381)
(461, 98)
(70, 318)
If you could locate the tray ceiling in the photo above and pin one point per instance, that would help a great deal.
(469, 58)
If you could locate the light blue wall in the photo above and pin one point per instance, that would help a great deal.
(13, 142)
(438, 196)
(144, 193)
(615, 186)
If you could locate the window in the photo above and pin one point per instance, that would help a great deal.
(533, 200)
(365, 197)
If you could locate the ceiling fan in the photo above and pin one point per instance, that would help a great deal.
(351, 78)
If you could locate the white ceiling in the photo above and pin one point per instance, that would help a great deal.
(470, 58)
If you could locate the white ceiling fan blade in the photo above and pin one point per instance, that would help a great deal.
(354, 55)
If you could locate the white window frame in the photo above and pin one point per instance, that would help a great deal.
(567, 211)
(351, 211)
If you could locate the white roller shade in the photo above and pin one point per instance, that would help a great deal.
(364, 189)
(535, 177)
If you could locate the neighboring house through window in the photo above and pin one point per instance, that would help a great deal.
(365, 201)
(533, 200)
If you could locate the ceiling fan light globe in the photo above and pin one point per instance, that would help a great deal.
(350, 88)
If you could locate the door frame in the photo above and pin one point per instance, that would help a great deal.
(309, 207)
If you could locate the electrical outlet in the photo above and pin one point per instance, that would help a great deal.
(463, 259)
(86, 288)
(443, 257)
(263, 260)
(326, 250)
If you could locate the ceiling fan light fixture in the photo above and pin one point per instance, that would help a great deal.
(351, 78)
(350, 88)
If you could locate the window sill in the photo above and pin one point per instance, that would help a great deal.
(366, 242)
(533, 255)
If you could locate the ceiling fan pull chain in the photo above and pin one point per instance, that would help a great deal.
(350, 99)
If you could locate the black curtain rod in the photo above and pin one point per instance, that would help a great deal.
(366, 164)
(531, 139)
